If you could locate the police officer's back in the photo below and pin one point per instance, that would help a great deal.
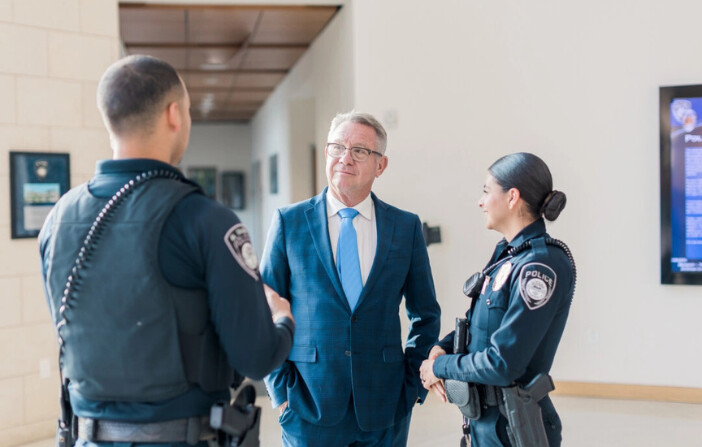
(153, 287)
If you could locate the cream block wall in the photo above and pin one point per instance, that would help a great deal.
(52, 54)
(7, 111)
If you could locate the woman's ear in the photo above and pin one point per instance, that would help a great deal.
(513, 195)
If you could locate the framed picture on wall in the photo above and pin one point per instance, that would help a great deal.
(37, 181)
(206, 178)
(681, 184)
(273, 171)
(233, 194)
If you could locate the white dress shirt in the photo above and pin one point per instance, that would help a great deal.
(366, 230)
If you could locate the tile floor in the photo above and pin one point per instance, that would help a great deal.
(587, 422)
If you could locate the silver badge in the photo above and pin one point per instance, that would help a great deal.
(536, 284)
(238, 241)
(502, 276)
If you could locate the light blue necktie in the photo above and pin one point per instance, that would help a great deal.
(347, 262)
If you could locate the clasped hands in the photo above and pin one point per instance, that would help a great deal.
(426, 374)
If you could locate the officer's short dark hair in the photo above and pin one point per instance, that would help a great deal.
(134, 89)
(530, 175)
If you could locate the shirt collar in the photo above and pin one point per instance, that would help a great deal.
(534, 229)
(365, 208)
(127, 165)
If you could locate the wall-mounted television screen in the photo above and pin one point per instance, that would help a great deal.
(681, 184)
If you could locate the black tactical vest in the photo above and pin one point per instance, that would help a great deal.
(130, 335)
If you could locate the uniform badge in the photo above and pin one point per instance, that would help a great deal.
(485, 284)
(502, 276)
(536, 284)
(238, 242)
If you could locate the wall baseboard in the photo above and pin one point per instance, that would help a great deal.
(633, 392)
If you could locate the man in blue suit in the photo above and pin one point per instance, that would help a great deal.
(345, 259)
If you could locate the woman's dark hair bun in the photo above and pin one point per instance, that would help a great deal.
(553, 205)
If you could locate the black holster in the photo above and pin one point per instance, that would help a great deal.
(238, 423)
(66, 427)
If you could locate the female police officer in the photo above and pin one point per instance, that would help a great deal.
(521, 301)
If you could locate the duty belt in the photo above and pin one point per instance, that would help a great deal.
(489, 396)
(191, 431)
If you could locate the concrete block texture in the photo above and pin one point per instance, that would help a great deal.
(86, 146)
(5, 10)
(91, 114)
(22, 434)
(11, 402)
(54, 14)
(10, 303)
(34, 306)
(79, 56)
(23, 50)
(21, 138)
(99, 17)
(20, 256)
(24, 349)
(36, 389)
(7, 93)
(5, 213)
(49, 102)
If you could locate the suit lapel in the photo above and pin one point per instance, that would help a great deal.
(319, 230)
(384, 220)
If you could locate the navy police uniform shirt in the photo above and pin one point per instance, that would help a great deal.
(194, 255)
(519, 317)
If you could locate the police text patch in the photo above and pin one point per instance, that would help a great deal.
(238, 242)
(536, 284)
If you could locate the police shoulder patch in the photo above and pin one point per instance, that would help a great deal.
(238, 242)
(536, 284)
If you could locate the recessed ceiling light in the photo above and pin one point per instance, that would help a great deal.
(220, 66)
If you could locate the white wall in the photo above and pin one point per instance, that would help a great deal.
(324, 77)
(227, 147)
(576, 83)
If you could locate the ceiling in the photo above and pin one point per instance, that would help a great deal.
(230, 57)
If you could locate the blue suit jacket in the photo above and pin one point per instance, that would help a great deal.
(337, 352)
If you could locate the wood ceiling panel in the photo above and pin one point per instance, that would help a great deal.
(174, 56)
(142, 25)
(225, 116)
(271, 58)
(245, 96)
(213, 58)
(292, 25)
(228, 71)
(209, 80)
(258, 80)
(221, 26)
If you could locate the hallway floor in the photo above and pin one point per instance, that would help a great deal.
(587, 422)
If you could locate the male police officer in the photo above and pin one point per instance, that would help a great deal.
(158, 299)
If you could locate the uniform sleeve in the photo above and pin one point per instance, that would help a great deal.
(275, 272)
(423, 310)
(523, 328)
(44, 237)
(202, 247)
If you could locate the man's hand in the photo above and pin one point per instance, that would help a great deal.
(439, 390)
(435, 352)
(430, 381)
(280, 307)
(282, 407)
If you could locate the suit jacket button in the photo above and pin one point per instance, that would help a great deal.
(354, 318)
(348, 353)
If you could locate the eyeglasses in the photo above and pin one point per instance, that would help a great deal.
(361, 154)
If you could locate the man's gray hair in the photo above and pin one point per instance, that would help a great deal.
(362, 118)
